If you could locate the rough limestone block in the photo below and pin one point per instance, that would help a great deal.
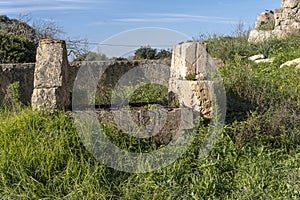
(291, 62)
(265, 19)
(287, 21)
(189, 58)
(196, 95)
(49, 98)
(51, 64)
(289, 3)
(51, 90)
(256, 36)
(278, 16)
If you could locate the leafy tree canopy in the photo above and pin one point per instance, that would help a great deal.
(16, 49)
(147, 52)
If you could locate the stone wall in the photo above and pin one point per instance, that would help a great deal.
(49, 82)
(116, 69)
(22, 73)
(279, 23)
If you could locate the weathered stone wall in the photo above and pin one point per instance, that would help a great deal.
(116, 69)
(265, 20)
(144, 118)
(22, 73)
(278, 23)
(50, 81)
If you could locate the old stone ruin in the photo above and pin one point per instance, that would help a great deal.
(279, 23)
(54, 77)
(48, 83)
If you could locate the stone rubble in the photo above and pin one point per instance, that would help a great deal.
(291, 62)
(261, 59)
(256, 57)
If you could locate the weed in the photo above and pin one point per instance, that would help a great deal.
(190, 77)
(12, 97)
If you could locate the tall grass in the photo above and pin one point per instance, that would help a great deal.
(43, 158)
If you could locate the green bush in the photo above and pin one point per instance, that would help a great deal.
(149, 53)
(190, 77)
(150, 93)
(15, 49)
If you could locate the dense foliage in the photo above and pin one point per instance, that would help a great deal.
(16, 27)
(16, 49)
(150, 53)
(91, 56)
(19, 39)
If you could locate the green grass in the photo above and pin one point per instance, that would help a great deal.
(42, 158)
(256, 157)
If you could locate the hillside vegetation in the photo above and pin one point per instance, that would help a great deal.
(256, 157)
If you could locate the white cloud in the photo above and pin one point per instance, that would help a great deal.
(168, 18)
(177, 17)
(20, 6)
(18, 10)
(183, 15)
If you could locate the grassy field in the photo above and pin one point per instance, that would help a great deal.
(256, 157)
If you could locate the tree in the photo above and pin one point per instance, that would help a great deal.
(16, 49)
(47, 29)
(145, 53)
(91, 56)
(41, 29)
(164, 54)
(16, 27)
(149, 53)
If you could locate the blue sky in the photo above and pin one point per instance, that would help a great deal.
(98, 20)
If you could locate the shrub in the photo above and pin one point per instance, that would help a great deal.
(149, 53)
(15, 49)
(190, 77)
(12, 97)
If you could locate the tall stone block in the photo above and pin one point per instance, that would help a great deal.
(51, 89)
(265, 19)
(191, 59)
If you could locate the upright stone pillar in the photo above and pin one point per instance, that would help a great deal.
(50, 76)
(188, 83)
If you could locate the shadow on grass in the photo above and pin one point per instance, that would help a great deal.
(238, 109)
